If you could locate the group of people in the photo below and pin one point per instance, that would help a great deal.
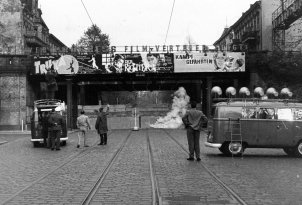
(194, 121)
(101, 126)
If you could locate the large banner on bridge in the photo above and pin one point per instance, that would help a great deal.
(209, 62)
(142, 62)
(68, 64)
(139, 62)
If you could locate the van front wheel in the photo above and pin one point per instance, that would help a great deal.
(298, 150)
(232, 149)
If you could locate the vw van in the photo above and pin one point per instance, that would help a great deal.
(39, 121)
(240, 124)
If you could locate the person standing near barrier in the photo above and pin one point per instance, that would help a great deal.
(193, 121)
(44, 120)
(83, 124)
(101, 125)
(56, 123)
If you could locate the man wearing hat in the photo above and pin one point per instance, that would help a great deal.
(56, 123)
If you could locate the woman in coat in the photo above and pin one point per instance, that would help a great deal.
(101, 125)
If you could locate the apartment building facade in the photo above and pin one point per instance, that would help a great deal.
(23, 35)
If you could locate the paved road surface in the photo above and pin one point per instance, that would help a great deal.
(143, 167)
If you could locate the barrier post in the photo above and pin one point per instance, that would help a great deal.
(135, 128)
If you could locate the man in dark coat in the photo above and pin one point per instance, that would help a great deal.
(52, 86)
(56, 123)
(101, 125)
(194, 120)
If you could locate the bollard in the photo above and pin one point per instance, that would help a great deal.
(135, 128)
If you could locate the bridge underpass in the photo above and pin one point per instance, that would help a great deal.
(93, 90)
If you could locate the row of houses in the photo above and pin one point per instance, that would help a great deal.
(23, 34)
(268, 25)
(23, 30)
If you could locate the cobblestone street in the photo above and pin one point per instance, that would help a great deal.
(144, 167)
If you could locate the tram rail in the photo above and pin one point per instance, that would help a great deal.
(156, 199)
(67, 161)
(229, 190)
(88, 198)
(99, 181)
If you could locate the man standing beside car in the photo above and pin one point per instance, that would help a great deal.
(193, 121)
(83, 124)
(56, 123)
(44, 120)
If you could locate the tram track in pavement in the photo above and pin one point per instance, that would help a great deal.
(229, 190)
(89, 197)
(67, 161)
(102, 176)
(156, 198)
(155, 189)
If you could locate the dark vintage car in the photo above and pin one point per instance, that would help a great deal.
(39, 121)
(237, 125)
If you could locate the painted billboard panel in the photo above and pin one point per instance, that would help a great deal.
(139, 62)
(209, 62)
(68, 64)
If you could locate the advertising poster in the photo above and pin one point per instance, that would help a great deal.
(68, 64)
(209, 62)
(139, 62)
(90, 63)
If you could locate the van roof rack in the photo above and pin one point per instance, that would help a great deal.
(254, 100)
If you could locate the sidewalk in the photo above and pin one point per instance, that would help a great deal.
(26, 132)
(11, 135)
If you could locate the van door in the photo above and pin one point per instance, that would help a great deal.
(297, 126)
(285, 127)
(266, 135)
(249, 125)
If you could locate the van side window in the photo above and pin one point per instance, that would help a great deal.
(258, 113)
(285, 114)
(298, 114)
(249, 113)
(266, 113)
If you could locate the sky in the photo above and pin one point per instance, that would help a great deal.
(143, 22)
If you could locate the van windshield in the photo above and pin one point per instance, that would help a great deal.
(229, 112)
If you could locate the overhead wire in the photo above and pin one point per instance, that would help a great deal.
(87, 12)
(169, 21)
(93, 25)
